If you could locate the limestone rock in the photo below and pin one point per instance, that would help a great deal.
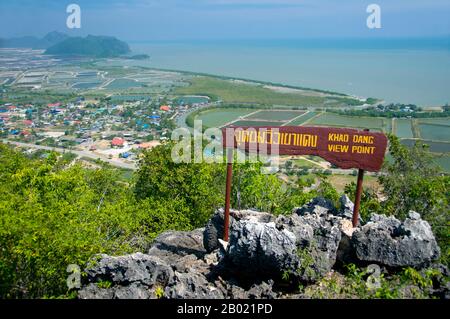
(260, 249)
(389, 242)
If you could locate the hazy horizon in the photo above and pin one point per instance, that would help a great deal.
(180, 20)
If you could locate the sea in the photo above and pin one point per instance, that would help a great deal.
(402, 70)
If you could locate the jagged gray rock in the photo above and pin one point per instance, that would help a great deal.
(214, 228)
(264, 290)
(126, 277)
(133, 291)
(194, 286)
(213, 231)
(346, 208)
(303, 232)
(260, 249)
(171, 245)
(318, 235)
(318, 205)
(93, 291)
(137, 267)
(306, 245)
(389, 242)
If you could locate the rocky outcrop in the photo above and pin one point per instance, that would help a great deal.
(129, 277)
(262, 252)
(346, 208)
(387, 241)
(172, 245)
(319, 206)
(214, 228)
(318, 233)
(194, 286)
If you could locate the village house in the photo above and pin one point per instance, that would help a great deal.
(117, 142)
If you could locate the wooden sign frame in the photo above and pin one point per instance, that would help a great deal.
(343, 147)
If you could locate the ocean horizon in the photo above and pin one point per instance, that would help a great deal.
(395, 70)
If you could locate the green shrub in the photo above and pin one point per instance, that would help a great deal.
(52, 217)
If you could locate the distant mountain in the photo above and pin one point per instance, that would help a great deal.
(54, 37)
(33, 42)
(96, 46)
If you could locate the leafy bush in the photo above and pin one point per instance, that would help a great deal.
(356, 283)
(53, 216)
(412, 181)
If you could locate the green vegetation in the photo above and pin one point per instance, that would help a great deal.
(54, 214)
(303, 119)
(414, 182)
(241, 92)
(159, 292)
(104, 284)
(246, 116)
(365, 284)
(257, 123)
(394, 111)
(275, 115)
(303, 163)
(41, 98)
(330, 119)
(216, 117)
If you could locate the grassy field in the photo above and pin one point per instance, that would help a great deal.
(257, 123)
(336, 120)
(301, 120)
(241, 92)
(219, 117)
(275, 115)
(339, 182)
(303, 163)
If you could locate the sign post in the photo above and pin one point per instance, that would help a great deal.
(343, 147)
(226, 224)
(359, 183)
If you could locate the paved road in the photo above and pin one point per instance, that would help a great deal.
(87, 154)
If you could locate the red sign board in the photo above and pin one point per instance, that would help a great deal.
(346, 148)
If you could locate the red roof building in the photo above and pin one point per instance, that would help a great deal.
(117, 142)
(28, 122)
(165, 108)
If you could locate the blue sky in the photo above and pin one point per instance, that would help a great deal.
(171, 20)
